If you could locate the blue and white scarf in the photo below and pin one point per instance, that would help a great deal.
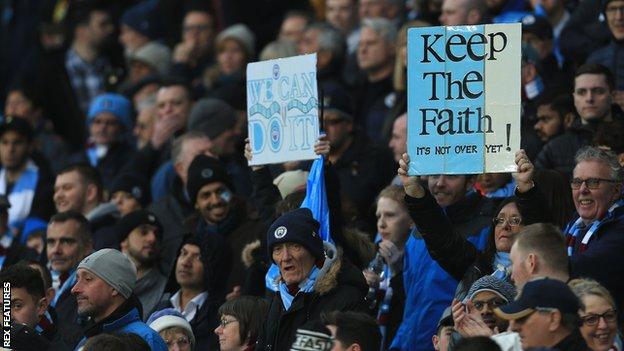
(305, 286)
(22, 194)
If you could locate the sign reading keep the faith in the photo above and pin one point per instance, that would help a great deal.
(282, 109)
(463, 98)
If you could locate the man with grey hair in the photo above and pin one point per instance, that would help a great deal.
(375, 57)
(175, 207)
(462, 12)
(329, 45)
(103, 289)
(594, 239)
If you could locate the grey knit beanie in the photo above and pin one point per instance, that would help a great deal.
(114, 268)
(495, 285)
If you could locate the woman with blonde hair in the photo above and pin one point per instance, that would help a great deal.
(598, 315)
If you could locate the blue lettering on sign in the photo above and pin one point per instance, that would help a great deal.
(258, 136)
(275, 130)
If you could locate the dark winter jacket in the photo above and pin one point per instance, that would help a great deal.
(449, 248)
(125, 319)
(204, 322)
(171, 212)
(612, 57)
(341, 288)
(111, 164)
(558, 153)
(364, 169)
(376, 99)
(603, 260)
(572, 342)
(585, 32)
(238, 230)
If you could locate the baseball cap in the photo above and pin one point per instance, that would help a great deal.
(538, 294)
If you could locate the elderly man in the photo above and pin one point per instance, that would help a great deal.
(313, 279)
(105, 280)
(595, 240)
(546, 316)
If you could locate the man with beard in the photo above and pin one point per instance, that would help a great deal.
(220, 213)
(488, 293)
(140, 235)
(103, 290)
(200, 271)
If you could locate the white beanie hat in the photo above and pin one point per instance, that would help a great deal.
(169, 321)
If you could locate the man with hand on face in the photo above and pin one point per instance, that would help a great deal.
(140, 235)
(313, 279)
(219, 212)
(105, 280)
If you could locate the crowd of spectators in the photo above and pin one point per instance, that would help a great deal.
(130, 219)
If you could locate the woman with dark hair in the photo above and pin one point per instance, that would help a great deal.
(242, 320)
(456, 255)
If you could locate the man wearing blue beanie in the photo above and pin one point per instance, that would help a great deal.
(110, 123)
(313, 279)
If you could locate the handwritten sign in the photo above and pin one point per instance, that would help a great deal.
(463, 99)
(282, 109)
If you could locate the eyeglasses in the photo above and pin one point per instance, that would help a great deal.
(181, 341)
(592, 319)
(224, 322)
(513, 221)
(492, 303)
(591, 183)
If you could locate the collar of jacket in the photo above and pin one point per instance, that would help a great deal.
(572, 342)
(125, 314)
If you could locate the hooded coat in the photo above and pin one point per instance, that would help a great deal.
(340, 286)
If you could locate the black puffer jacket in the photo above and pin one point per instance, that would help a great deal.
(340, 288)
